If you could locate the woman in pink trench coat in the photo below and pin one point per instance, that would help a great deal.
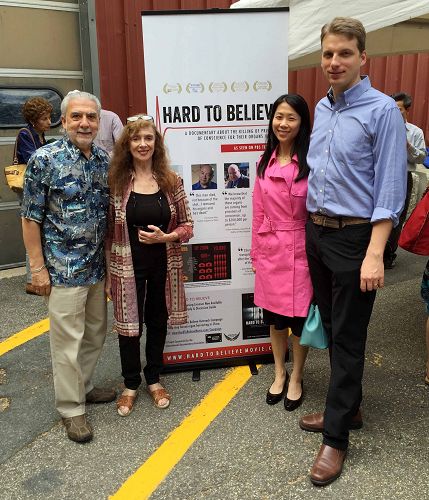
(282, 279)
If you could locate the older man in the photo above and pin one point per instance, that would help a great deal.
(235, 178)
(356, 191)
(206, 174)
(64, 223)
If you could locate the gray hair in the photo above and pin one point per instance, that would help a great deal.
(79, 94)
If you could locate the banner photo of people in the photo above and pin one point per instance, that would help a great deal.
(211, 78)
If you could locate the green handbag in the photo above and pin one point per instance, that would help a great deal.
(313, 333)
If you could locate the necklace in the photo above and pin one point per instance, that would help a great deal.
(284, 158)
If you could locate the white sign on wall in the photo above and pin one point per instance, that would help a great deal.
(211, 77)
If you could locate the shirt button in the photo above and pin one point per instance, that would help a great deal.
(321, 190)
(330, 131)
(322, 170)
(326, 150)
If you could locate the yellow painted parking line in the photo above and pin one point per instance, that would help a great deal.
(156, 468)
(24, 336)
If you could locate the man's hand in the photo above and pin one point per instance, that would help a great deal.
(41, 282)
(372, 273)
(372, 269)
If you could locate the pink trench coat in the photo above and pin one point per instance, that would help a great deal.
(124, 295)
(282, 280)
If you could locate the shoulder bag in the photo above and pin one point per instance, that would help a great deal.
(415, 234)
(15, 173)
(313, 333)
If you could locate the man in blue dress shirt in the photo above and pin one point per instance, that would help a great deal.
(356, 191)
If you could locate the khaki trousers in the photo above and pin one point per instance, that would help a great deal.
(78, 317)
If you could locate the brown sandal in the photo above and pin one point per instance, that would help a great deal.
(127, 401)
(159, 394)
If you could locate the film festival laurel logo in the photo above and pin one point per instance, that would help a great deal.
(169, 88)
(216, 87)
(258, 86)
(195, 88)
(240, 87)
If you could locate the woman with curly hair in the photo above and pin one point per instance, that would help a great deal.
(149, 218)
(37, 113)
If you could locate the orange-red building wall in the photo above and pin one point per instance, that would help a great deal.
(121, 62)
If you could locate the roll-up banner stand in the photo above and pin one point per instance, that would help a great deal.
(211, 77)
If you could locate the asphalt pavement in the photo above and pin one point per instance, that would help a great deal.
(251, 450)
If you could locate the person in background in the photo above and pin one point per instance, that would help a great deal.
(109, 131)
(416, 153)
(282, 280)
(356, 191)
(37, 113)
(235, 178)
(64, 220)
(149, 219)
(206, 174)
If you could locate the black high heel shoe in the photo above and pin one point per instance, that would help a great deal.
(293, 404)
(273, 399)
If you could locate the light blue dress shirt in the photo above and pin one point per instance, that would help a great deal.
(358, 156)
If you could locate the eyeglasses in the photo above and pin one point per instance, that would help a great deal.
(134, 118)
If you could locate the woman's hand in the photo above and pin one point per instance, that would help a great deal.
(41, 282)
(156, 236)
(254, 269)
(108, 287)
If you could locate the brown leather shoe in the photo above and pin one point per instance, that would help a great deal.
(314, 422)
(100, 395)
(328, 465)
(78, 428)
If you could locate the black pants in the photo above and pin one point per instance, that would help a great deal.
(153, 312)
(392, 242)
(335, 257)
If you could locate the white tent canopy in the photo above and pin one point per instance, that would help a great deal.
(393, 26)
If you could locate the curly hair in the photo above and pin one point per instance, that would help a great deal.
(122, 167)
(34, 108)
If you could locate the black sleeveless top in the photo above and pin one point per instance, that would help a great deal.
(143, 210)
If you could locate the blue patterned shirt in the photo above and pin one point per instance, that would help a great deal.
(67, 194)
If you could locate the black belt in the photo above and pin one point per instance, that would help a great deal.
(337, 222)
